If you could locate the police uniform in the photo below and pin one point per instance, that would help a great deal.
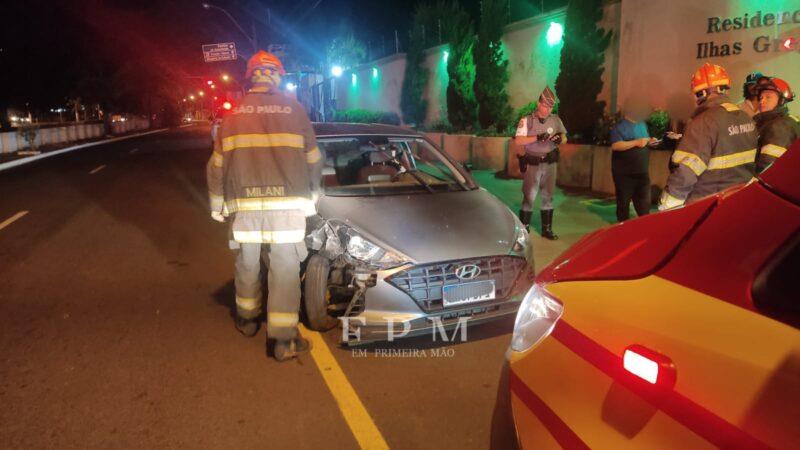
(539, 177)
(718, 150)
(777, 130)
(263, 175)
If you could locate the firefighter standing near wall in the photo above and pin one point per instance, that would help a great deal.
(264, 177)
(777, 129)
(750, 94)
(718, 148)
(539, 134)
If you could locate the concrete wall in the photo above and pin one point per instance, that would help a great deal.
(653, 53)
(381, 93)
(658, 48)
(11, 141)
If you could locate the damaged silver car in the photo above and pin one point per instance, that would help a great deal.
(406, 243)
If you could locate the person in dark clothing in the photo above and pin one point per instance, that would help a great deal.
(777, 129)
(630, 160)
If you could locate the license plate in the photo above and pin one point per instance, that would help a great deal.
(478, 291)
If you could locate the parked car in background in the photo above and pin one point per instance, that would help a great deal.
(673, 330)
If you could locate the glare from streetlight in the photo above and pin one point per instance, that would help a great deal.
(225, 77)
(337, 71)
(191, 97)
(291, 86)
(201, 93)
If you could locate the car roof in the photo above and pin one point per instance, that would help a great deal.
(332, 129)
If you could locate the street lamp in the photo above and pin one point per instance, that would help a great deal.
(201, 93)
(225, 77)
(337, 71)
(251, 38)
(191, 97)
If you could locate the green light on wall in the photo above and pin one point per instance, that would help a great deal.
(374, 72)
(354, 79)
(554, 33)
(445, 55)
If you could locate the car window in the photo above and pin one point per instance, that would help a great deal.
(375, 165)
(775, 287)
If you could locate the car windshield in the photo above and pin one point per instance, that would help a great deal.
(380, 165)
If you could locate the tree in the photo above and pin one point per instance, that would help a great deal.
(461, 105)
(346, 51)
(491, 67)
(412, 104)
(582, 57)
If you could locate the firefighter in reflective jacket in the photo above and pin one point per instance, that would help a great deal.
(718, 148)
(264, 177)
(777, 129)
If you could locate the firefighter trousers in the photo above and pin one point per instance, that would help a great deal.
(539, 178)
(283, 281)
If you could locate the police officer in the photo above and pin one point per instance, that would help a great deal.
(264, 176)
(777, 129)
(718, 148)
(750, 94)
(539, 134)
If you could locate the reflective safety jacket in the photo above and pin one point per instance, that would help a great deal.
(718, 150)
(265, 169)
(777, 130)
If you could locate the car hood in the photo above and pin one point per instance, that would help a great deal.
(429, 227)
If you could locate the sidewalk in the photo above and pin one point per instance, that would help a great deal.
(576, 214)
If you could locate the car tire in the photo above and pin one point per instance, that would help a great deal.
(315, 294)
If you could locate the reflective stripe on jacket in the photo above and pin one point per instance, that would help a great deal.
(777, 131)
(718, 150)
(265, 169)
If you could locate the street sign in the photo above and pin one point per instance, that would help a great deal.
(219, 52)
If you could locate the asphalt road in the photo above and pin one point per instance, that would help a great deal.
(115, 326)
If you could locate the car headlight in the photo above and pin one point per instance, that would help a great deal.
(536, 318)
(374, 255)
(521, 240)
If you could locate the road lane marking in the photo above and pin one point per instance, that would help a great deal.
(97, 169)
(13, 219)
(354, 412)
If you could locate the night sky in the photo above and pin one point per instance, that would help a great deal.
(48, 47)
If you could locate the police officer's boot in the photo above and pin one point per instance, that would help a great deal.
(248, 327)
(525, 218)
(285, 350)
(547, 225)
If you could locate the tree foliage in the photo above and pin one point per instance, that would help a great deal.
(346, 51)
(412, 104)
(582, 57)
(491, 68)
(460, 35)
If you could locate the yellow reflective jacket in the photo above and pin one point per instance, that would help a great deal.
(718, 150)
(265, 169)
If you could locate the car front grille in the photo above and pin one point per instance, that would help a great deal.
(424, 283)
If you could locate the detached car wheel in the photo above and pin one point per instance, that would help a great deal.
(316, 295)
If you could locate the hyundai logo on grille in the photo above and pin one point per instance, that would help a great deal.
(468, 271)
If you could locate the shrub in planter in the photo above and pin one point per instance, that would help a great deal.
(602, 130)
(658, 123)
(441, 126)
(366, 116)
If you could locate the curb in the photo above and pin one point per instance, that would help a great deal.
(22, 161)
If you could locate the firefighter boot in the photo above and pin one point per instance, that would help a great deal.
(248, 327)
(547, 225)
(286, 350)
(525, 218)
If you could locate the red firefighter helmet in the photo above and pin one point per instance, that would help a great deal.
(709, 76)
(777, 85)
(264, 59)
